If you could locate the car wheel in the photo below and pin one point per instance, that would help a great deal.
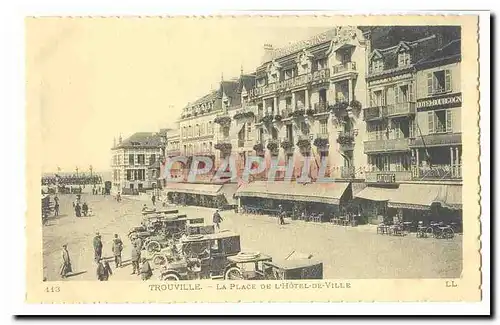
(170, 277)
(153, 246)
(233, 273)
(159, 260)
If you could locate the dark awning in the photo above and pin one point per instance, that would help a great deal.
(329, 193)
(375, 194)
(414, 196)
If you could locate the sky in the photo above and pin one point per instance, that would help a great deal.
(98, 78)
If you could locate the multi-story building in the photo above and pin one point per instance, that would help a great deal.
(436, 149)
(131, 159)
(413, 129)
(308, 99)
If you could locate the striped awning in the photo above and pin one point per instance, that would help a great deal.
(329, 193)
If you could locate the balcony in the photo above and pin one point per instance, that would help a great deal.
(438, 172)
(347, 172)
(223, 144)
(438, 139)
(315, 77)
(204, 152)
(373, 113)
(343, 70)
(388, 176)
(242, 143)
(400, 109)
(387, 145)
(345, 140)
(321, 107)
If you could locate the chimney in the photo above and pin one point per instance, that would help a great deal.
(120, 139)
(268, 52)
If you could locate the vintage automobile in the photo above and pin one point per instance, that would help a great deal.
(202, 257)
(199, 229)
(294, 269)
(247, 266)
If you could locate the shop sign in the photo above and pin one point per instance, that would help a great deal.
(390, 79)
(386, 178)
(446, 101)
(318, 39)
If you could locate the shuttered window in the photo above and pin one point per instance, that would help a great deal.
(449, 119)
(447, 80)
(430, 116)
(411, 94)
(429, 83)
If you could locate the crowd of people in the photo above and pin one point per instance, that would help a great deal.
(71, 180)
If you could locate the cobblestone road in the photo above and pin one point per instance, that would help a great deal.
(346, 252)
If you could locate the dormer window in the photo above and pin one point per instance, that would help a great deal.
(377, 65)
(403, 59)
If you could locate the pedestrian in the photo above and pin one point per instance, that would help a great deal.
(217, 219)
(66, 262)
(144, 208)
(56, 208)
(135, 257)
(281, 215)
(78, 210)
(97, 247)
(153, 199)
(138, 242)
(103, 270)
(85, 209)
(117, 251)
(146, 271)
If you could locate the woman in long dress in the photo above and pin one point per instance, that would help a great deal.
(66, 262)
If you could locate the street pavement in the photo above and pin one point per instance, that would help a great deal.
(346, 252)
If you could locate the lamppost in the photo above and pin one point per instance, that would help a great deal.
(76, 171)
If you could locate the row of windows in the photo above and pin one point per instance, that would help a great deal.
(393, 162)
(192, 149)
(404, 59)
(136, 174)
(392, 95)
(205, 107)
(134, 159)
(290, 73)
(197, 130)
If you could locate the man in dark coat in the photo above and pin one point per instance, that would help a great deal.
(117, 251)
(97, 247)
(103, 270)
(135, 257)
(281, 215)
(85, 208)
(217, 219)
(153, 199)
(66, 262)
(78, 210)
(56, 208)
(146, 271)
(138, 242)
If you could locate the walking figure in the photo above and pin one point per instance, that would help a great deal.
(117, 251)
(78, 210)
(103, 270)
(85, 209)
(281, 215)
(217, 219)
(146, 271)
(66, 262)
(56, 208)
(153, 199)
(97, 247)
(135, 257)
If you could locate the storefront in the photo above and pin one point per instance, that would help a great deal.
(411, 203)
(295, 198)
(199, 194)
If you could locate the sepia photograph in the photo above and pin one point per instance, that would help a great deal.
(224, 152)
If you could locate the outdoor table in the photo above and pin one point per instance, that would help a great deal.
(335, 220)
(382, 229)
(316, 219)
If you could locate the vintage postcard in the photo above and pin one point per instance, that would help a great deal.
(253, 159)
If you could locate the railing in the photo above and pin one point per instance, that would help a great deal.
(401, 109)
(347, 172)
(343, 67)
(372, 113)
(387, 176)
(298, 81)
(321, 107)
(386, 145)
(437, 172)
(322, 135)
(438, 91)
